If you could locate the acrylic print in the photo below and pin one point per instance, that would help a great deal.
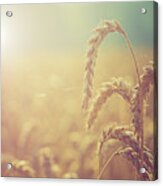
(79, 90)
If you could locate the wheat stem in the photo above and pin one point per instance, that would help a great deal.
(108, 161)
(139, 82)
(141, 135)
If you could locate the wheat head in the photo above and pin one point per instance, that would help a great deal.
(127, 137)
(137, 105)
(134, 158)
(91, 56)
(116, 86)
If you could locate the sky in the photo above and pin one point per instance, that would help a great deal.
(63, 27)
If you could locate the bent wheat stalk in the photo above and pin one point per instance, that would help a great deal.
(133, 137)
(94, 43)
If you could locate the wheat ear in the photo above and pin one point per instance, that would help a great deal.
(122, 134)
(94, 43)
(144, 87)
(137, 104)
(127, 137)
(131, 156)
(115, 86)
(134, 158)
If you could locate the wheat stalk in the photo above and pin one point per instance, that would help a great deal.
(127, 137)
(115, 86)
(120, 133)
(136, 96)
(138, 104)
(131, 156)
(144, 87)
(134, 158)
(94, 43)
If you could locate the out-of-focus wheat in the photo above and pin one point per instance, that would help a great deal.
(70, 175)
(22, 168)
(45, 161)
(115, 86)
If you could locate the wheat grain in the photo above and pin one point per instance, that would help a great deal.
(115, 86)
(132, 138)
(120, 133)
(148, 158)
(134, 158)
(125, 135)
(144, 87)
(94, 43)
(137, 106)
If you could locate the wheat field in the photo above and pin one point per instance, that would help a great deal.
(87, 115)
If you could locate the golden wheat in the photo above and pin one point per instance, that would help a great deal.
(123, 134)
(134, 158)
(94, 43)
(22, 168)
(144, 87)
(137, 106)
(45, 161)
(70, 175)
(115, 86)
(127, 137)
(133, 137)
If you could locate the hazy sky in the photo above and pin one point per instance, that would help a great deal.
(66, 26)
